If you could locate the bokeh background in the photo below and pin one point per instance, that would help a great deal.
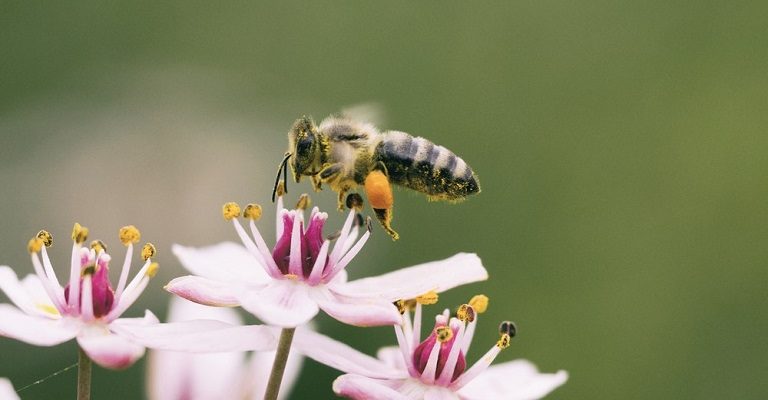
(621, 147)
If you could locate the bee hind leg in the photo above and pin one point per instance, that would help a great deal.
(379, 192)
(384, 215)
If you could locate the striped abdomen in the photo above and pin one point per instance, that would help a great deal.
(418, 164)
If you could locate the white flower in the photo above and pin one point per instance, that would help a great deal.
(88, 309)
(6, 390)
(302, 274)
(434, 368)
(178, 375)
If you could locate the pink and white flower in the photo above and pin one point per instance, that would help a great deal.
(6, 390)
(433, 368)
(88, 309)
(288, 285)
(233, 375)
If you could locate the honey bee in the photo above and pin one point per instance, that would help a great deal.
(345, 153)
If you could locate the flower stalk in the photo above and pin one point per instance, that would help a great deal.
(83, 375)
(278, 367)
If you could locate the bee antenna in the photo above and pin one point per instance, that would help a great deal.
(282, 168)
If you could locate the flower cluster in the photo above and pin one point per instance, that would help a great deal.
(285, 286)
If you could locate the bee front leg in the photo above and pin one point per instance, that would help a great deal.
(317, 184)
(330, 173)
(341, 200)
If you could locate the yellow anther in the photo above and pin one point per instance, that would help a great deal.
(355, 201)
(252, 211)
(405, 305)
(503, 341)
(230, 210)
(280, 191)
(148, 251)
(292, 277)
(46, 237)
(443, 334)
(479, 303)
(428, 298)
(465, 313)
(98, 246)
(152, 269)
(304, 202)
(129, 234)
(34, 245)
(79, 233)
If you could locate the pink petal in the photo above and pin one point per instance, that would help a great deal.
(407, 283)
(38, 331)
(515, 380)
(198, 336)
(341, 356)
(360, 312)
(226, 262)
(185, 310)
(204, 291)
(363, 388)
(255, 380)
(6, 390)
(284, 303)
(108, 349)
(392, 356)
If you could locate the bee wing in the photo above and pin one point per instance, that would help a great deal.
(371, 112)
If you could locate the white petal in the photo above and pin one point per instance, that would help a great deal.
(515, 380)
(442, 393)
(107, 349)
(254, 383)
(363, 388)
(29, 294)
(185, 310)
(407, 283)
(175, 375)
(198, 336)
(6, 390)
(392, 356)
(205, 291)
(226, 262)
(38, 331)
(342, 357)
(360, 311)
(283, 303)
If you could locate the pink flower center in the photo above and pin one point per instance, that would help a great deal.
(424, 349)
(101, 290)
(310, 242)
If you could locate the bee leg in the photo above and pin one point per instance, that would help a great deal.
(341, 201)
(317, 184)
(330, 173)
(379, 192)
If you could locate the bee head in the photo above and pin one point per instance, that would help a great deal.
(304, 144)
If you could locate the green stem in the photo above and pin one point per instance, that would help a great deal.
(83, 376)
(278, 367)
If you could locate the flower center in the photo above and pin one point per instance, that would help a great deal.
(446, 337)
(95, 264)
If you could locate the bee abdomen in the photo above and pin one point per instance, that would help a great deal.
(418, 164)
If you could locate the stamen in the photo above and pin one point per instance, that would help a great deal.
(428, 298)
(349, 256)
(129, 234)
(34, 245)
(443, 334)
(479, 303)
(304, 202)
(338, 247)
(280, 191)
(86, 308)
(428, 375)
(152, 270)
(317, 268)
(74, 279)
(258, 247)
(465, 313)
(406, 351)
(295, 258)
(230, 210)
(98, 246)
(503, 342)
(416, 326)
(79, 233)
(46, 237)
(402, 307)
(252, 211)
(355, 201)
(453, 355)
(148, 251)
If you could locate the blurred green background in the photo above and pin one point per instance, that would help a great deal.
(621, 147)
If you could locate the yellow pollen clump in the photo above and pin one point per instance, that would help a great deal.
(479, 303)
(79, 233)
(129, 234)
(152, 269)
(443, 334)
(428, 298)
(34, 245)
(230, 210)
(504, 341)
(304, 202)
(148, 251)
(465, 313)
(252, 211)
(46, 237)
(99, 246)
